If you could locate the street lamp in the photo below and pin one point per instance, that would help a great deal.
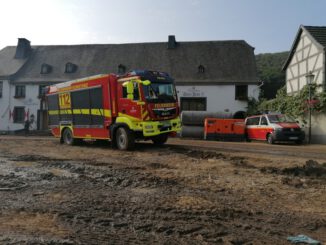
(310, 78)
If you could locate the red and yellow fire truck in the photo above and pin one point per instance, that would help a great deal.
(138, 105)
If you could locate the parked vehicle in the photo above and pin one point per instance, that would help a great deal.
(138, 105)
(273, 127)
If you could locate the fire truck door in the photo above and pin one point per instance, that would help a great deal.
(129, 105)
(264, 129)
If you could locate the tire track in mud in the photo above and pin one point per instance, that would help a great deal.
(101, 202)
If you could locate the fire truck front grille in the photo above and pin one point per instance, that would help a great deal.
(165, 112)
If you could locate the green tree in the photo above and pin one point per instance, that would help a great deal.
(269, 70)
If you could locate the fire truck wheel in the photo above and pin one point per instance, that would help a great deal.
(68, 137)
(160, 139)
(124, 139)
(270, 139)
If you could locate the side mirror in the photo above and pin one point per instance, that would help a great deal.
(146, 82)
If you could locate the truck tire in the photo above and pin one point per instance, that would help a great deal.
(270, 139)
(125, 139)
(68, 137)
(160, 139)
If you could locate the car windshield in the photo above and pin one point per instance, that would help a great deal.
(281, 118)
(160, 92)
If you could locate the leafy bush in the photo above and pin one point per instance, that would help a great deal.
(296, 105)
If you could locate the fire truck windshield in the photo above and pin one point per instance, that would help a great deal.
(160, 92)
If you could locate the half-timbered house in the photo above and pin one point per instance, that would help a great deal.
(307, 55)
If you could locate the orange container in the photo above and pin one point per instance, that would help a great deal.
(224, 129)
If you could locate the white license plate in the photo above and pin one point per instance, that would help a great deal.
(293, 138)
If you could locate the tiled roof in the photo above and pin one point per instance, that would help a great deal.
(224, 61)
(318, 32)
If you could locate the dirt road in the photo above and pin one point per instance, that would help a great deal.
(188, 192)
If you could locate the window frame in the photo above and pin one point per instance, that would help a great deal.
(184, 100)
(19, 92)
(40, 88)
(45, 69)
(201, 69)
(70, 68)
(261, 121)
(250, 120)
(21, 117)
(241, 94)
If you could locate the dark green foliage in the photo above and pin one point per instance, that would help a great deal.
(269, 69)
(252, 108)
(296, 105)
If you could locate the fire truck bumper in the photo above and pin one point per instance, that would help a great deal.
(160, 127)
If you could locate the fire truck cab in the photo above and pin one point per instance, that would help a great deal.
(123, 109)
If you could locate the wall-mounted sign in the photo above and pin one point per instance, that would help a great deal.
(193, 92)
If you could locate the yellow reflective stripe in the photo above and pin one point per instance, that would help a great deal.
(107, 113)
(65, 111)
(54, 112)
(76, 111)
(95, 112)
(81, 111)
(145, 114)
(130, 117)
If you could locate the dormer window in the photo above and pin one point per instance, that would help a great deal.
(201, 69)
(70, 68)
(121, 69)
(46, 69)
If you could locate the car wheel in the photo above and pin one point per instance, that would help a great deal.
(68, 137)
(124, 139)
(270, 139)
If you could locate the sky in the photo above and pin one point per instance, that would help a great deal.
(268, 25)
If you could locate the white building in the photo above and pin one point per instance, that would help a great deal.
(210, 76)
(308, 55)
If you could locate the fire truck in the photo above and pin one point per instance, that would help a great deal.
(140, 105)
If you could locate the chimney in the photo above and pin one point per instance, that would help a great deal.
(172, 44)
(23, 48)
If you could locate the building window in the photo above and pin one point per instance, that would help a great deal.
(70, 68)
(1, 88)
(41, 90)
(241, 92)
(20, 91)
(193, 104)
(121, 69)
(201, 69)
(46, 69)
(19, 114)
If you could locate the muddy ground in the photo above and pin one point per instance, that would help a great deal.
(91, 194)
